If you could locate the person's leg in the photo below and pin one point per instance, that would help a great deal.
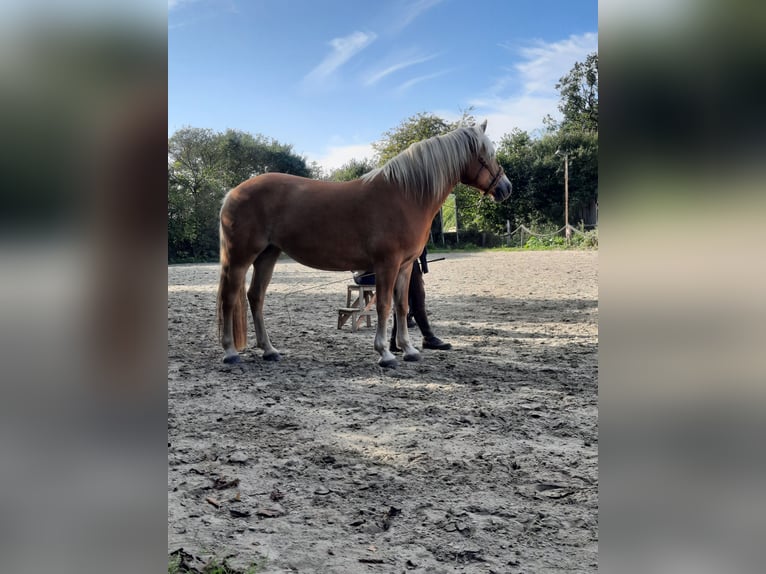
(410, 319)
(418, 310)
(392, 343)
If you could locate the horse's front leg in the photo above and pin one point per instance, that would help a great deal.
(384, 286)
(401, 298)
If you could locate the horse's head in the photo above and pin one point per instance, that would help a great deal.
(485, 173)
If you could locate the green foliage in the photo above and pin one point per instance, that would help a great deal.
(202, 166)
(579, 96)
(537, 171)
(549, 238)
(586, 239)
(541, 242)
(245, 155)
(414, 129)
(537, 175)
(316, 171)
(353, 169)
(195, 189)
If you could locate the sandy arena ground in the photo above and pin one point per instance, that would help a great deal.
(479, 459)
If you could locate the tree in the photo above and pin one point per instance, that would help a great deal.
(578, 136)
(414, 129)
(316, 171)
(582, 150)
(202, 166)
(196, 186)
(537, 173)
(579, 96)
(516, 153)
(281, 158)
(353, 169)
(245, 156)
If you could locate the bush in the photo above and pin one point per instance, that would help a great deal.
(533, 243)
(582, 240)
(542, 242)
(586, 240)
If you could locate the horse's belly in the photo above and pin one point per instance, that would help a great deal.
(329, 259)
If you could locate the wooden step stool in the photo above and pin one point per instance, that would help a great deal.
(360, 306)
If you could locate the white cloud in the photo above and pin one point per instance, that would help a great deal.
(527, 93)
(336, 156)
(343, 49)
(412, 11)
(377, 76)
(409, 83)
(544, 64)
(523, 113)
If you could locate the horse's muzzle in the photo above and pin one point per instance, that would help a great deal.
(502, 190)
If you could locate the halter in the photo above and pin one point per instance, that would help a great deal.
(495, 178)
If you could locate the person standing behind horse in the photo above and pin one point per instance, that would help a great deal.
(417, 304)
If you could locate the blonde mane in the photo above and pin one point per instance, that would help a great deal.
(425, 168)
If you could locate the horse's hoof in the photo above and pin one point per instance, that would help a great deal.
(231, 359)
(413, 357)
(388, 364)
(274, 357)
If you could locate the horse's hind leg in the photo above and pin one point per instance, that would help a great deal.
(263, 268)
(233, 322)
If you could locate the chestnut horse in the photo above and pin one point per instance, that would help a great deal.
(377, 223)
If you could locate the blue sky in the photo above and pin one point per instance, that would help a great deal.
(331, 76)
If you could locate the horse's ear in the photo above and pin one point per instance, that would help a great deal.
(483, 126)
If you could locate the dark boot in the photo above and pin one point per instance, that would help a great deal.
(434, 342)
(418, 310)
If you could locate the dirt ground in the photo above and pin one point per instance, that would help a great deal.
(478, 459)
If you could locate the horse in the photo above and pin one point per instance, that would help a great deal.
(379, 222)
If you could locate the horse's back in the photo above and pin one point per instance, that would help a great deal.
(281, 189)
(325, 225)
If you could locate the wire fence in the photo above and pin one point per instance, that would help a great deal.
(523, 236)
